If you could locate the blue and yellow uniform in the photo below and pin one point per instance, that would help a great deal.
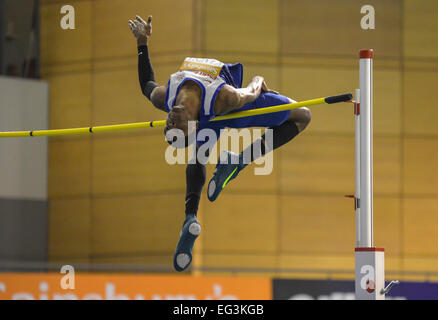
(211, 75)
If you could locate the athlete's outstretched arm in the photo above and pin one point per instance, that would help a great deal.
(142, 31)
(231, 98)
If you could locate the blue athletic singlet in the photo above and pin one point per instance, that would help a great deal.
(211, 75)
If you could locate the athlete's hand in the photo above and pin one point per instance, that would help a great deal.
(266, 89)
(141, 29)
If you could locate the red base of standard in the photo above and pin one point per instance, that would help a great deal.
(372, 249)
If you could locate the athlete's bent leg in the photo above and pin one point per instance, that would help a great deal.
(296, 122)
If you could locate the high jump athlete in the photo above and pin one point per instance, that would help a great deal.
(199, 91)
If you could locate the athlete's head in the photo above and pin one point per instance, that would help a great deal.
(178, 118)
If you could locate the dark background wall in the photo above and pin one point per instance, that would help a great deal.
(19, 43)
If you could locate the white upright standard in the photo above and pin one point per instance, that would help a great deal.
(369, 260)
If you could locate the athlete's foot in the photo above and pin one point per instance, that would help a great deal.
(225, 172)
(183, 253)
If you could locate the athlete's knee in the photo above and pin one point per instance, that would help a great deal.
(302, 117)
(306, 115)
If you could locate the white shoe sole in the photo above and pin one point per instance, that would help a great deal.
(211, 188)
(195, 229)
(182, 260)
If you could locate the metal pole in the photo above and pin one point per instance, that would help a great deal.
(357, 162)
(366, 145)
(369, 260)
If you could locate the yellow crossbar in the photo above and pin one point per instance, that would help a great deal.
(162, 123)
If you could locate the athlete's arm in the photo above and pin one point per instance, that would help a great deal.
(230, 98)
(142, 31)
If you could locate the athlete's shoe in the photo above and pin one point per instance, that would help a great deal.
(225, 171)
(183, 253)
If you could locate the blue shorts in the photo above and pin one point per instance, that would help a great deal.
(264, 120)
